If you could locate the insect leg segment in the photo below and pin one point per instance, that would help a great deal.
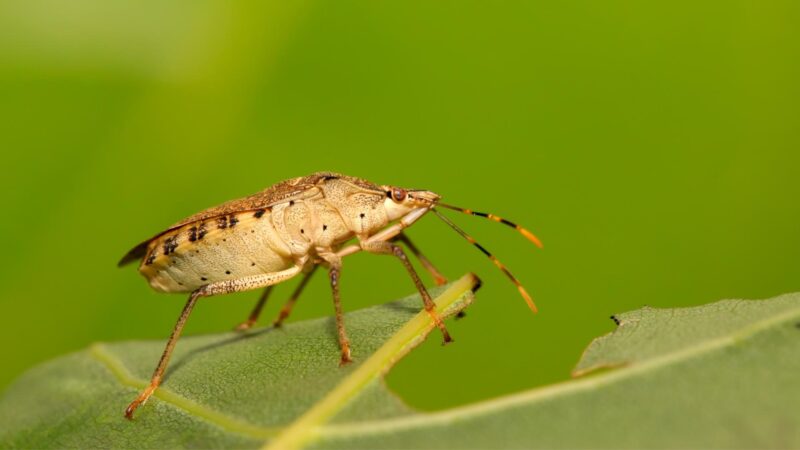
(162, 363)
(287, 308)
(222, 287)
(285, 311)
(392, 249)
(251, 282)
(387, 233)
(334, 273)
(251, 320)
(438, 278)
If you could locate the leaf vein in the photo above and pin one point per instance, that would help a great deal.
(227, 423)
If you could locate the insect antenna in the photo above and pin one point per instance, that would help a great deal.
(496, 262)
(530, 236)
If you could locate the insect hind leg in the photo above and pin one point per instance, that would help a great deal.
(155, 381)
(222, 287)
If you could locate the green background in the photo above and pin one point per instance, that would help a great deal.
(653, 146)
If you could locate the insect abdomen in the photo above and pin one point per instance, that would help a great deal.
(216, 249)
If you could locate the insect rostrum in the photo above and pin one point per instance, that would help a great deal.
(286, 230)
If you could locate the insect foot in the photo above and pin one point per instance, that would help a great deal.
(244, 326)
(346, 359)
(447, 338)
(140, 400)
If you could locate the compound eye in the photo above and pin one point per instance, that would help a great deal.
(398, 194)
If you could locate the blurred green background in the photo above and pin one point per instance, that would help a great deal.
(653, 146)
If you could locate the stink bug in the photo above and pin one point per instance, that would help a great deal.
(285, 230)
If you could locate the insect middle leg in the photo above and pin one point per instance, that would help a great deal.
(344, 342)
(387, 248)
(287, 307)
(253, 317)
(334, 263)
(438, 278)
(222, 287)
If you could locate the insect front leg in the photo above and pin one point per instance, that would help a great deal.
(387, 233)
(387, 248)
(438, 278)
(222, 287)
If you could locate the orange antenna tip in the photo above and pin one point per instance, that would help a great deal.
(528, 299)
(531, 237)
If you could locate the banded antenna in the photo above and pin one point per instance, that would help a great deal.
(496, 261)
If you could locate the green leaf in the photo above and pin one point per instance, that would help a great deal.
(225, 390)
(724, 375)
(720, 375)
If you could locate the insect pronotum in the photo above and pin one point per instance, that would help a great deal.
(286, 230)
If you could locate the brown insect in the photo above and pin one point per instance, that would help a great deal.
(288, 229)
